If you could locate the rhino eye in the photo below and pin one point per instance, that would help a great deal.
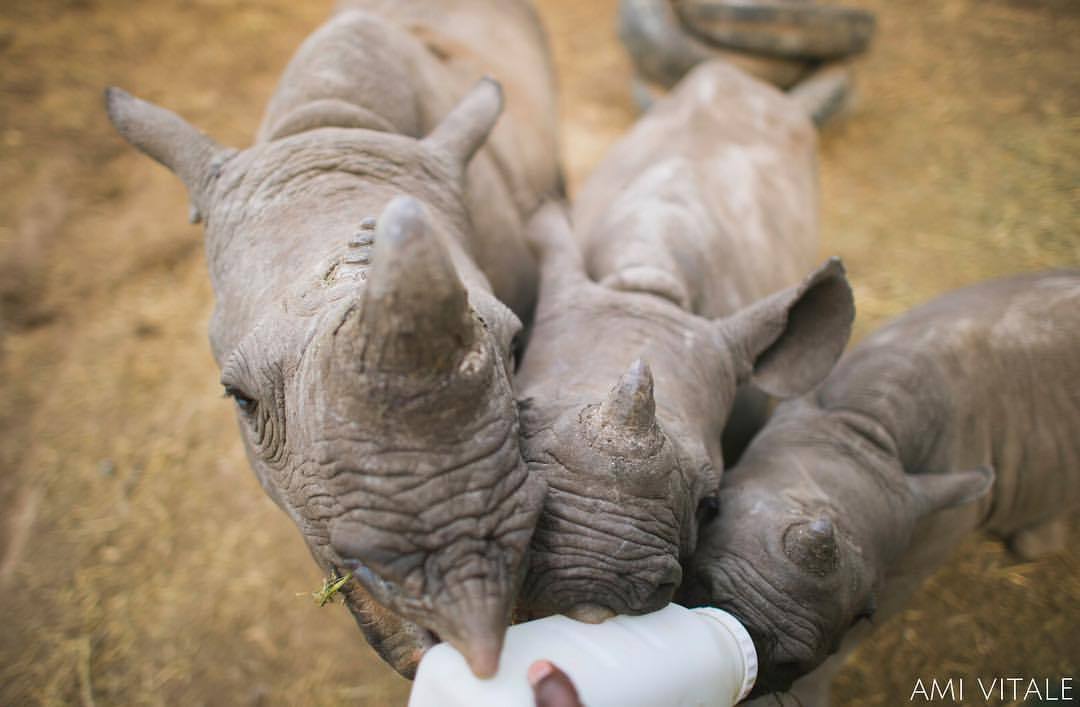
(708, 509)
(265, 420)
(245, 402)
(516, 349)
(867, 612)
(256, 385)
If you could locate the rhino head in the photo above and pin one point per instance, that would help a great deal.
(810, 521)
(369, 363)
(623, 497)
(625, 396)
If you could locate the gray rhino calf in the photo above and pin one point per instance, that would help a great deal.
(691, 229)
(360, 257)
(968, 403)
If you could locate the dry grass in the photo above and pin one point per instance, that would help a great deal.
(141, 562)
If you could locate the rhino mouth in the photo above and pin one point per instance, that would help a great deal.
(403, 646)
(406, 653)
(412, 640)
(430, 639)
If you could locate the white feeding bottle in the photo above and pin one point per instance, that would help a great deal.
(675, 657)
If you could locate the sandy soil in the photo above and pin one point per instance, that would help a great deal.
(140, 563)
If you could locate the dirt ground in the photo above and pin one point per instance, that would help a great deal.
(140, 563)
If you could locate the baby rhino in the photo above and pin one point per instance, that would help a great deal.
(684, 277)
(837, 509)
(367, 255)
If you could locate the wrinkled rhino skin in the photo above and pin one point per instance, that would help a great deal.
(360, 257)
(684, 277)
(962, 414)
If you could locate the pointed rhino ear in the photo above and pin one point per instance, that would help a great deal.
(172, 141)
(788, 342)
(938, 492)
(467, 126)
(551, 238)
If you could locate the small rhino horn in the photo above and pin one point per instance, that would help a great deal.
(812, 546)
(630, 404)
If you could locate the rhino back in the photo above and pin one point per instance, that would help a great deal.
(500, 38)
(717, 183)
(401, 67)
(466, 39)
(982, 376)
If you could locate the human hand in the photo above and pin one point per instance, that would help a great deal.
(551, 686)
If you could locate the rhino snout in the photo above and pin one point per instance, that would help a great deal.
(477, 630)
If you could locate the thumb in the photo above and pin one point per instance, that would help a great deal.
(551, 686)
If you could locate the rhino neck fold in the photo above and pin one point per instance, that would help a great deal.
(661, 229)
(356, 71)
(327, 113)
(897, 396)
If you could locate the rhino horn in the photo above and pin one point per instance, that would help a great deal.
(812, 546)
(415, 313)
(630, 405)
(477, 628)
